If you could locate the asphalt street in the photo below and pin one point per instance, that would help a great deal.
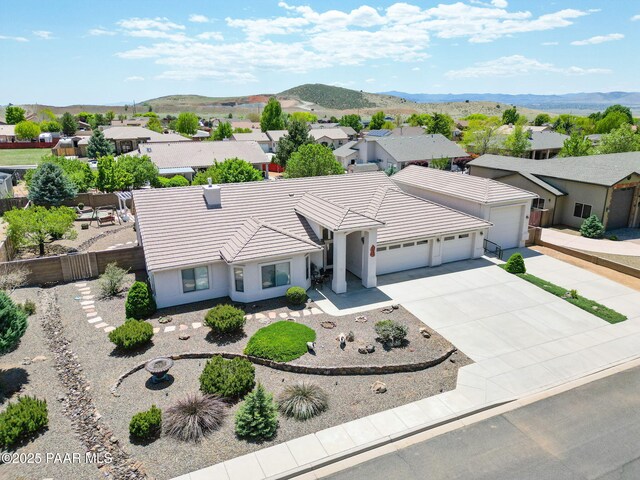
(591, 432)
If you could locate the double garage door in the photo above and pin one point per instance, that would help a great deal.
(506, 226)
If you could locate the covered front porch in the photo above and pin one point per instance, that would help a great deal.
(351, 253)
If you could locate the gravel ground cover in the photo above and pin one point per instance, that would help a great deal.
(350, 396)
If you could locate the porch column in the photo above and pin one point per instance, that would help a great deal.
(369, 278)
(339, 282)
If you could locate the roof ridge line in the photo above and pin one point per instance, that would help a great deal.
(281, 230)
(258, 222)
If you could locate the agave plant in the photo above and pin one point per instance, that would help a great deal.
(302, 401)
(194, 416)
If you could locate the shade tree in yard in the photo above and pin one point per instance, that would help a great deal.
(37, 226)
(312, 161)
(187, 123)
(69, 124)
(14, 115)
(297, 135)
(26, 130)
(351, 120)
(272, 118)
(232, 170)
(377, 120)
(517, 142)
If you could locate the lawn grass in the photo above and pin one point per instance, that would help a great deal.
(22, 156)
(579, 301)
(281, 341)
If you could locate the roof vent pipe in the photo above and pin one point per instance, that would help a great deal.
(211, 195)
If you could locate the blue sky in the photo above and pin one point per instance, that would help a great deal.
(62, 52)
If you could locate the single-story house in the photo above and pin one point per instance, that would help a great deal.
(275, 136)
(383, 132)
(351, 133)
(131, 122)
(252, 241)
(200, 135)
(245, 124)
(127, 139)
(571, 189)
(346, 154)
(407, 131)
(260, 138)
(544, 144)
(196, 156)
(7, 133)
(508, 129)
(506, 207)
(329, 137)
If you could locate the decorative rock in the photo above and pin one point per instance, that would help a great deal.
(311, 346)
(166, 319)
(39, 358)
(26, 361)
(395, 307)
(370, 348)
(351, 336)
(184, 336)
(361, 318)
(366, 349)
(328, 324)
(113, 439)
(424, 332)
(379, 387)
(452, 360)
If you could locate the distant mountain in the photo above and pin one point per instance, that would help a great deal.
(328, 96)
(582, 101)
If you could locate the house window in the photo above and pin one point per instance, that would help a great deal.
(582, 210)
(446, 239)
(194, 279)
(538, 203)
(307, 267)
(422, 242)
(276, 275)
(238, 278)
(464, 235)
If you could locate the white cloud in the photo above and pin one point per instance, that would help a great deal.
(547, 44)
(15, 39)
(370, 80)
(635, 18)
(517, 65)
(134, 79)
(196, 18)
(99, 32)
(599, 39)
(210, 36)
(416, 69)
(158, 23)
(500, 3)
(43, 34)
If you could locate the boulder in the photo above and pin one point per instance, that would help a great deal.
(379, 387)
(424, 332)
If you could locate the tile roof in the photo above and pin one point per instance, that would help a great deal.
(254, 235)
(348, 130)
(478, 189)
(330, 133)
(129, 133)
(541, 183)
(199, 154)
(253, 136)
(420, 148)
(177, 228)
(345, 150)
(546, 140)
(8, 130)
(331, 215)
(276, 135)
(596, 169)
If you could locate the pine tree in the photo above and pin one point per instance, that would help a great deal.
(13, 323)
(50, 186)
(98, 145)
(592, 228)
(257, 417)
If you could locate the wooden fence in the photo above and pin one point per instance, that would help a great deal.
(23, 145)
(79, 266)
(7, 204)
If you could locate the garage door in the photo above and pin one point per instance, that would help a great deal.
(620, 208)
(506, 226)
(399, 257)
(456, 247)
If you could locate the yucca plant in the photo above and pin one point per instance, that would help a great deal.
(194, 416)
(302, 401)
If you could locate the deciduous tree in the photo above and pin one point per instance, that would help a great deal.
(187, 123)
(541, 119)
(440, 123)
(271, 118)
(577, 145)
(222, 131)
(232, 170)
(482, 135)
(510, 116)
(14, 115)
(297, 135)
(27, 130)
(622, 139)
(37, 226)
(377, 120)
(312, 161)
(351, 120)
(517, 142)
(69, 124)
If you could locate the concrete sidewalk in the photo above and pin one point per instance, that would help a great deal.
(523, 340)
(627, 247)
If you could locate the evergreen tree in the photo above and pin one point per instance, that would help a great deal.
(297, 135)
(592, 228)
(140, 303)
(69, 124)
(515, 264)
(271, 118)
(98, 145)
(50, 186)
(13, 323)
(257, 417)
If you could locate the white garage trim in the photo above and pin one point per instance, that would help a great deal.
(400, 256)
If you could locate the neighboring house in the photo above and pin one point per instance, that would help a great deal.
(351, 133)
(69, 147)
(186, 158)
(252, 241)
(383, 132)
(7, 133)
(274, 137)
(407, 131)
(245, 124)
(346, 154)
(506, 207)
(317, 125)
(259, 137)
(572, 188)
(131, 122)
(544, 144)
(329, 137)
(6, 185)
(200, 135)
(508, 129)
(127, 139)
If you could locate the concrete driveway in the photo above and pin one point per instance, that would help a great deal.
(603, 245)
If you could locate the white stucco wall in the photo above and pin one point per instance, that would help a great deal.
(167, 286)
(461, 204)
(354, 253)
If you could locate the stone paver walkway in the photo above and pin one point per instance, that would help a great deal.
(87, 303)
(522, 339)
(630, 248)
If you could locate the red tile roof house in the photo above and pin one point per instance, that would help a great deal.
(252, 241)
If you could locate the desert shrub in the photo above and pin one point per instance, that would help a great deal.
(592, 227)
(225, 319)
(131, 334)
(515, 264)
(13, 323)
(281, 341)
(194, 416)
(112, 280)
(257, 417)
(296, 295)
(28, 307)
(227, 378)
(22, 419)
(302, 400)
(390, 332)
(147, 424)
(140, 302)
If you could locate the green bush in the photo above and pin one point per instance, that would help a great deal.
(131, 334)
(175, 181)
(515, 264)
(296, 295)
(225, 319)
(302, 401)
(140, 302)
(147, 424)
(13, 323)
(281, 341)
(28, 307)
(390, 332)
(257, 417)
(592, 228)
(112, 280)
(227, 378)
(22, 419)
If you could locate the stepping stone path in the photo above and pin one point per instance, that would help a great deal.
(88, 306)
